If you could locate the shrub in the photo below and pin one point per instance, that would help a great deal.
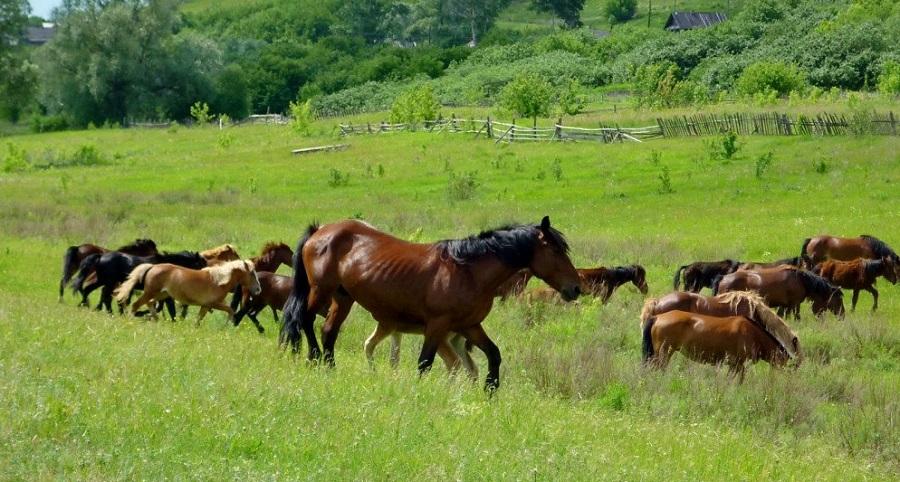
(889, 80)
(200, 113)
(15, 160)
(762, 163)
(570, 100)
(337, 178)
(301, 117)
(461, 187)
(416, 105)
(770, 77)
(528, 95)
(619, 11)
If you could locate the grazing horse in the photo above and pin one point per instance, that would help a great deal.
(735, 303)
(205, 287)
(859, 274)
(442, 287)
(76, 254)
(785, 288)
(731, 341)
(796, 262)
(818, 249)
(220, 254)
(701, 274)
(603, 282)
(113, 268)
(515, 285)
(272, 256)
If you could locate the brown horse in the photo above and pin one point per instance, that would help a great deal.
(274, 290)
(859, 275)
(735, 303)
(443, 287)
(796, 262)
(731, 341)
(603, 282)
(785, 288)
(206, 287)
(818, 249)
(220, 254)
(273, 255)
(76, 254)
(515, 285)
(700, 274)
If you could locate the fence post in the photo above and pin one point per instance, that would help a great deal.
(893, 122)
(512, 131)
(490, 128)
(557, 134)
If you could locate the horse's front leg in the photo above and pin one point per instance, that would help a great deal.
(874, 292)
(479, 338)
(378, 335)
(340, 308)
(201, 314)
(855, 299)
(435, 335)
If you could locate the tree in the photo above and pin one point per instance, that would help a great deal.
(569, 11)
(111, 60)
(16, 74)
(528, 95)
(453, 22)
(620, 11)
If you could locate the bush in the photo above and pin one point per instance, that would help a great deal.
(770, 77)
(50, 123)
(620, 11)
(416, 105)
(889, 80)
(528, 95)
(302, 117)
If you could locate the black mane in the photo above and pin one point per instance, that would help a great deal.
(514, 245)
(816, 283)
(880, 248)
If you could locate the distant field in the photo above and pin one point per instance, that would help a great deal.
(98, 397)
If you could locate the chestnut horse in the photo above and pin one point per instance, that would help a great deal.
(785, 288)
(859, 274)
(76, 254)
(206, 287)
(700, 274)
(731, 340)
(443, 287)
(818, 249)
(796, 262)
(603, 282)
(515, 285)
(273, 255)
(220, 254)
(735, 303)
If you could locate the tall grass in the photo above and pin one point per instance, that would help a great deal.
(94, 396)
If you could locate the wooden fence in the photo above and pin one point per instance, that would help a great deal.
(775, 124)
(503, 132)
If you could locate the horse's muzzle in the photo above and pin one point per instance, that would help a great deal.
(571, 294)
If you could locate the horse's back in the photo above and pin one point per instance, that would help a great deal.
(705, 338)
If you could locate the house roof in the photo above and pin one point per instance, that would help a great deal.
(39, 35)
(688, 20)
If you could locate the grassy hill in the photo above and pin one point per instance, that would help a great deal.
(94, 396)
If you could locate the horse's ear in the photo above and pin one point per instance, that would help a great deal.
(545, 224)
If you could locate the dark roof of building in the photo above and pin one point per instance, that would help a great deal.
(688, 20)
(39, 35)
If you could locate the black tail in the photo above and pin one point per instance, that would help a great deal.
(647, 341)
(804, 259)
(715, 284)
(292, 314)
(88, 266)
(678, 277)
(69, 268)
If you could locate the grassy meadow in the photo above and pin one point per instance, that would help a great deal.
(91, 396)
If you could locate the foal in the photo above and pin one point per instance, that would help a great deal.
(859, 274)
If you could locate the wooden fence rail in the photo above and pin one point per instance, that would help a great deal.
(503, 132)
(775, 124)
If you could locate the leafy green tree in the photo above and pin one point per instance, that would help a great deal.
(889, 80)
(569, 11)
(528, 95)
(111, 60)
(416, 105)
(16, 74)
(770, 77)
(453, 22)
(302, 117)
(620, 11)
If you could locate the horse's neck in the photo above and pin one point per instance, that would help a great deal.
(490, 272)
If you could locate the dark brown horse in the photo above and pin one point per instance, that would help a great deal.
(818, 249)
(735, 303)
(443, 287)
(603, 282)
(731, 341)
(76, 254)
(274, 290)
(273, 255)
(701, 274)
(205, 287)
(785, 288)
(859, 275)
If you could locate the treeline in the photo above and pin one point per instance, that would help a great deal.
(113, 60)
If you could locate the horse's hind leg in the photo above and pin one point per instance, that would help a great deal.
(378, 335)
(458, 343)
(340, 308)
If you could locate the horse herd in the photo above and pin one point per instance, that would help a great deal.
(444, 290)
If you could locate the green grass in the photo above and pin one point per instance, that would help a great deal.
(98, 397)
